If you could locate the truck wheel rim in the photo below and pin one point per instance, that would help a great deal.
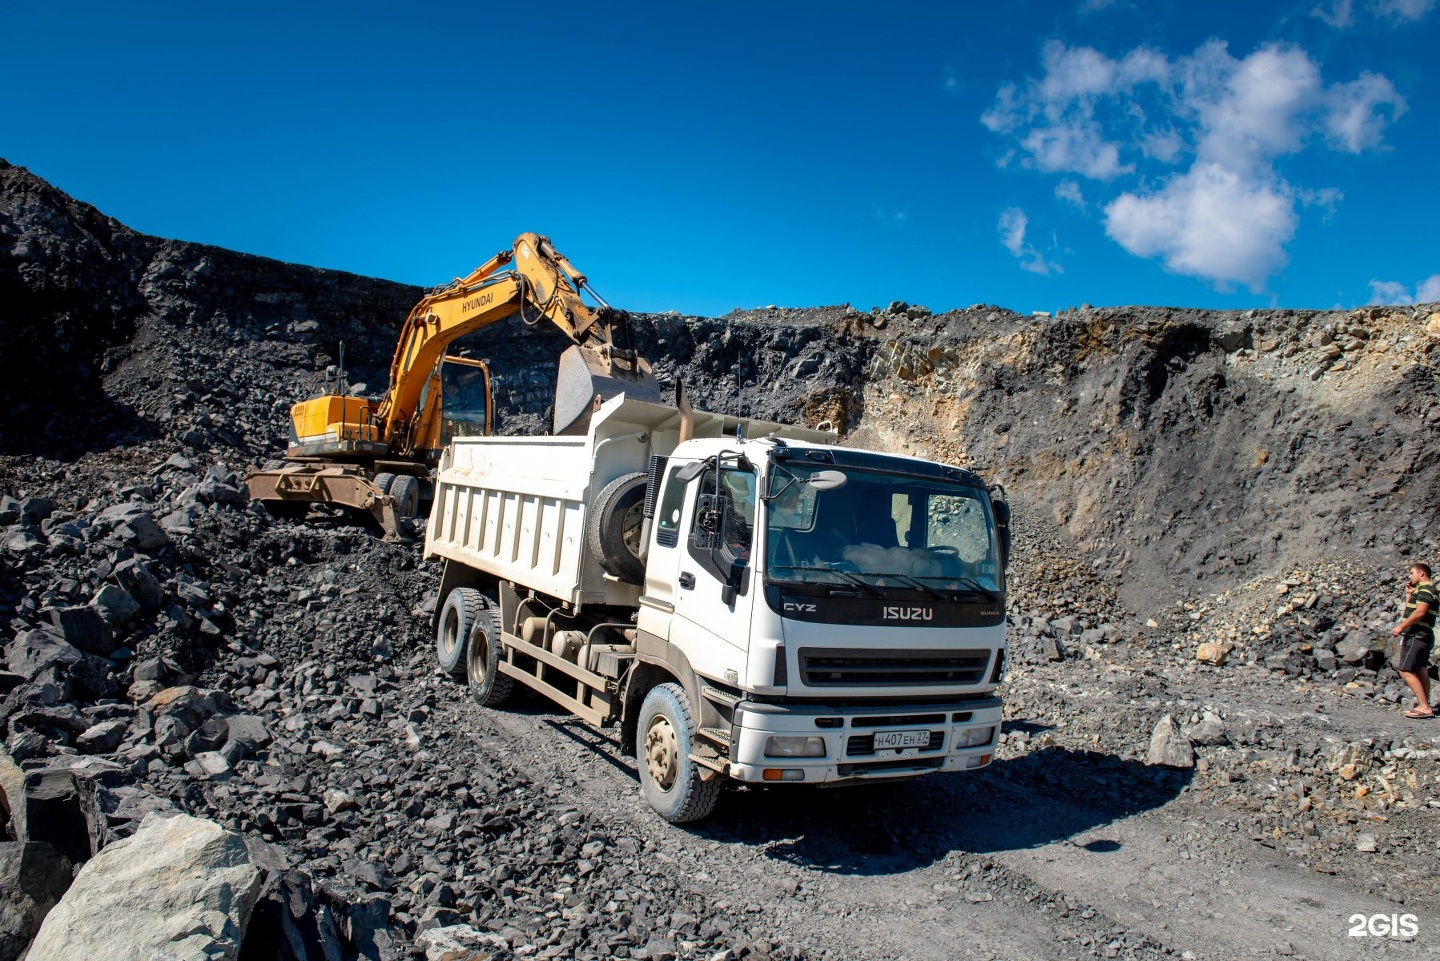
(661, 752)
(479, 656)
(632, 526)
(448, 636)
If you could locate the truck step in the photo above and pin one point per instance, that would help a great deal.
(720, 697)
(718, 765)
(716, 735)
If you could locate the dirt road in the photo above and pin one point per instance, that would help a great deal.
(1058, 853)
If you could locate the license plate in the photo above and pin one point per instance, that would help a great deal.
(885, 739)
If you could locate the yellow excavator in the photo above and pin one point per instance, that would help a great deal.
(377, 457)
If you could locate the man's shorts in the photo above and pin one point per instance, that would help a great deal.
(1414, 654)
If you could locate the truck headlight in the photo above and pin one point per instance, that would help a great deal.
(794, 747)
(974, 736)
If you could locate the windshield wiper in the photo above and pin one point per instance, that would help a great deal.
(973, 585)
(906, 578)
(853, 579)
(916, 582)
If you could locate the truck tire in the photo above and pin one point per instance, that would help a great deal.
(406, 491)
(615, 525)
(382, 481)
(452, 628)
(664, 740)
(482, 660)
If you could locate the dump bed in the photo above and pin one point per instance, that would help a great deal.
(515, 507)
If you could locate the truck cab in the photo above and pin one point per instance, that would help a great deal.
(842, 611)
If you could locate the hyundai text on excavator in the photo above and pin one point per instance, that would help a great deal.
(376, 456)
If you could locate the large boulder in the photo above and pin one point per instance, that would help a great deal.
(180, 888)
(33, 878)
(140, 584)
(31, 652)
(1169, 747)
(60, 807)
(84, 628)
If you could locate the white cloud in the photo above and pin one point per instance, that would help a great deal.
(1360, 110)
(1389, 293)
(1392, 293)
(1204, 133)
(1069, 191)
(1077, 149)
(1404, 11)
(1210, 223)
(1013, 224)
(1340, 14)
(1012, 230)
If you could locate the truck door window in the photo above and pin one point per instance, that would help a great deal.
(667, 518)
(737, 523)
(902, 513)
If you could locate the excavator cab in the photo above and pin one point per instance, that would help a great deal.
(464, 398)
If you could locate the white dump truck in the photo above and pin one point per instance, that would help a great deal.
(745, 599)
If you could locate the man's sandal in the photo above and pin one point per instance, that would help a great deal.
(1418, 715)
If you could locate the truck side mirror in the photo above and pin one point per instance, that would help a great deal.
(1002, 527)
(690, 471)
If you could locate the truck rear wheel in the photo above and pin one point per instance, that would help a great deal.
(615, 526)
(452, 628)
(664, 740)
(482, 660)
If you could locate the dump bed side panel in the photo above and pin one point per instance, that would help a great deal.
(515, 507)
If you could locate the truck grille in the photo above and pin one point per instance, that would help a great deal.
(863, 745)
(825, 667)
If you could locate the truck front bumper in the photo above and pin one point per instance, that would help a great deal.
(952, 736)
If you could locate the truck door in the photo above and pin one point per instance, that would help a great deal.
(713, 586)
(662, 564)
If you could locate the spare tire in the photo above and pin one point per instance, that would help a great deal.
(615, 525)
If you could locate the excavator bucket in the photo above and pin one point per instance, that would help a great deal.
(589, 376)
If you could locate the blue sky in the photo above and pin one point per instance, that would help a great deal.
(702, 157)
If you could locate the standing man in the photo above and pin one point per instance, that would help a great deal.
(1418, 631)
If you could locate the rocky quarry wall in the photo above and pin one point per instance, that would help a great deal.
(1251, 481)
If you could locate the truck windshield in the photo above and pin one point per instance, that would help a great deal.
(882, 530)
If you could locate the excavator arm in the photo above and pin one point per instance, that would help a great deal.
(540, 283)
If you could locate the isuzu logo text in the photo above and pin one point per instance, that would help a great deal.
(806, 608)
(907, 613)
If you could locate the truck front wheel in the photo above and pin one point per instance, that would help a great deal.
(482, 660)
(664, 740)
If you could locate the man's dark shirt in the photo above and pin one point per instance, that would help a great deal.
(1424, 593)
